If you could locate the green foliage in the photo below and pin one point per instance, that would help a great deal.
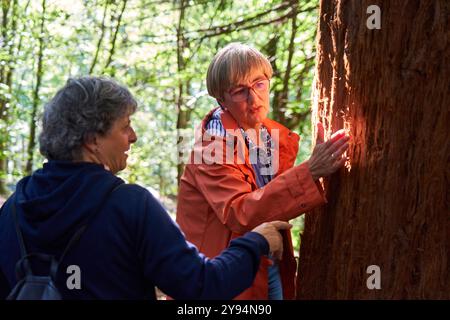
(136, 43)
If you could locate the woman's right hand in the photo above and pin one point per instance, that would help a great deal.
(327, 157)
(269, 230)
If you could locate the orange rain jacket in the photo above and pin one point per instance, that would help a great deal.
(218, 202)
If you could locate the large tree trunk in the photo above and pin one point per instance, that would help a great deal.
(389, 206)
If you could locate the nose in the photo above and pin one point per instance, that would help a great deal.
(252, 96)
(133, 137)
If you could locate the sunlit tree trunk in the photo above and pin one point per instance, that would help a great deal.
(389, 207)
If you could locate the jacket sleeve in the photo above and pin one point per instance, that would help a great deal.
(240, 208)
(179, 270)
(4, 286)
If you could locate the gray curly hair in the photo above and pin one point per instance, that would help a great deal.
(82, 108)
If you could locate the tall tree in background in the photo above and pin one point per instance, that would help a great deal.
(37, 87)
(12, 27)
(287, 76)
(8, 25)
(101, 36)
(114, 32)
(389, 207)
(183, 112)
(161, 50)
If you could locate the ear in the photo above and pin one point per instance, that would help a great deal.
(91, 143)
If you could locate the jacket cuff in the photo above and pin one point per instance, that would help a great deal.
(301, 183)
(263, 245)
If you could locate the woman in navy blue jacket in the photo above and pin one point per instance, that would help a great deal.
(130, 244)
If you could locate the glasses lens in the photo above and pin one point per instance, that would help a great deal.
(262, 85)
(239, 94)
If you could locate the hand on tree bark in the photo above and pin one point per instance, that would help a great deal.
(269, 230)
(327, 157)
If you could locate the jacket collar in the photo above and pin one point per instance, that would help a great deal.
(286, 140)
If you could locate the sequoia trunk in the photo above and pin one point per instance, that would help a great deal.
(389, 88)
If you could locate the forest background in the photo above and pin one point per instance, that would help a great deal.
(161, 51)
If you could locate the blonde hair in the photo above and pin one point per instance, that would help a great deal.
(233, 64)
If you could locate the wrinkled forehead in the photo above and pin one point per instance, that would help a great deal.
(245, 77)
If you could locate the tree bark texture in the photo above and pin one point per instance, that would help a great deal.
(389, 88)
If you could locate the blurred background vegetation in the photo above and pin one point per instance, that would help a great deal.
(161, 51)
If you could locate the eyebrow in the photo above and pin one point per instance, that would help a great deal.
(255, 80)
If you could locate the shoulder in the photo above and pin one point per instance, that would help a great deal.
(136, 205)
(131, 190)
(214, 126)
(133, 199)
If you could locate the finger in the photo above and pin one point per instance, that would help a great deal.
(281, 225)
(338, 153)
(340, 163)
(338, 145)
(277, 244)
(278, 255)
(337, 135)
(320, 133)
(339, 139)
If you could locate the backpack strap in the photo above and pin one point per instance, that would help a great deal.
(24, 265)
(55, 264)
(23, 250)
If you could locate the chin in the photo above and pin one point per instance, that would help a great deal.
(260, 119)
(263, 114)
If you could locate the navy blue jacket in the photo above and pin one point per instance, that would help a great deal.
(130, 245)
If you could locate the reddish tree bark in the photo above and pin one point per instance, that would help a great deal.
(389, 88)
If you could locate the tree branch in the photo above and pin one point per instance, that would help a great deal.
(113, 42)
(100, 39)
(243, 25)
(242, 22)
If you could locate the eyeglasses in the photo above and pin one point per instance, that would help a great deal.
(241, 93)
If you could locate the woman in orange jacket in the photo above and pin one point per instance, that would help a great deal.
(241, 172)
